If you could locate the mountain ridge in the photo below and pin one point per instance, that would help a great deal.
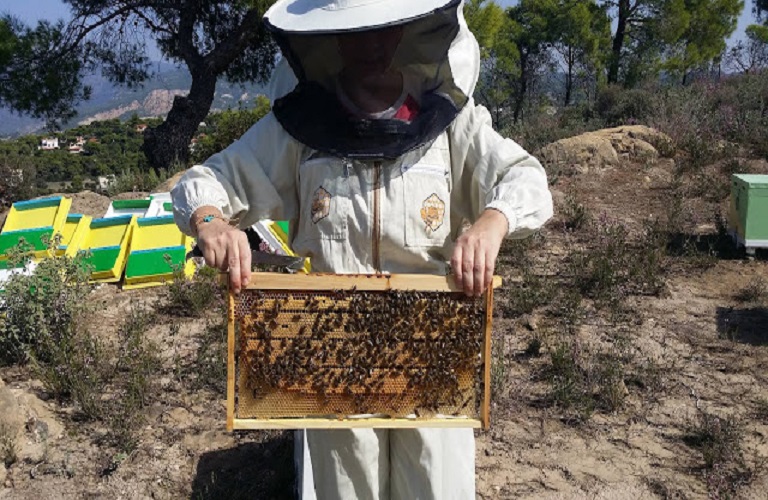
(152, 99)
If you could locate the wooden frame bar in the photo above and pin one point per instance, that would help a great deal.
(354, 423)
(485, 412)
(362, 282)
(334, 282)
(231, 362)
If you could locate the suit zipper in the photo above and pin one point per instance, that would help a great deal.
(376, 232)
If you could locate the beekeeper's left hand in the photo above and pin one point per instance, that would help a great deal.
(474, 256)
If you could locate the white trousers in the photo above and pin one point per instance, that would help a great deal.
(383, 464)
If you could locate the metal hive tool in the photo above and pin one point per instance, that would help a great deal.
(335, 351)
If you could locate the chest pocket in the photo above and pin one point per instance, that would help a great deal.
(427, 204)
(324, 199)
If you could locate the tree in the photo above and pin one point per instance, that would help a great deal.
(705, 26)
(227, 126)
(212, 38)
(499, 56)
(531, 33)
(750, 56)
(634, 40)
(485, 20)
(580, 32)
(37, 76)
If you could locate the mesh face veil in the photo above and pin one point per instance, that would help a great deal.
(436, 54)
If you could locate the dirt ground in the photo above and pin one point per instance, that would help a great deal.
(710, 353)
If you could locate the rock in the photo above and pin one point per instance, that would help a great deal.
(530, 321)
(34, 453)
(208, 440)
(41, 421)
(11, 415)
(603, 149)
(179, 416)
(3, 473)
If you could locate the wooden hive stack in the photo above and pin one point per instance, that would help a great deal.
(330, 351)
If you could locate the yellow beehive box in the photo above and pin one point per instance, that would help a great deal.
(35, 222)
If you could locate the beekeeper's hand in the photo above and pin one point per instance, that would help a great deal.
(224, 247)
(474, 256)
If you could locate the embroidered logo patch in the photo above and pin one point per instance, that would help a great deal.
(432, 213)
(321, 204)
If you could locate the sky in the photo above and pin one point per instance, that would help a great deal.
(31, 11)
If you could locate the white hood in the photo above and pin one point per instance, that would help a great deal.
(438, 52)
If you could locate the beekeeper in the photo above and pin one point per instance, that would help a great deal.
(382, 162)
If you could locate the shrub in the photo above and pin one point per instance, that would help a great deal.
(575, 214)
(569, 378)
(613, 266)
(78, 370)
(42, 311)
(210, 364)
(534, 291)
(720, 441)
(9, 449)
(755, 291)
(192, 297)
(616, 105)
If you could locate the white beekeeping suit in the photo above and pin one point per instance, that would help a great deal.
(379, 193)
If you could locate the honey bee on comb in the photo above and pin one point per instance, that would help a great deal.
(356, 351)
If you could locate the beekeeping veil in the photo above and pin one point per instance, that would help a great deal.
(437, 51)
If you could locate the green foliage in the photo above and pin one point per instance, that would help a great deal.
(222, 129)
(613, 266)
(532, 292)
(111, 147)
(38, 77)
(711, 121)
(618, 106)
(486, 20)
(76, 370)
(192, 297)
(43, 310)
(18, 176)
(718, 439)
(580, 34)
(209, 369)
(575, 214)
(570, 380)
(699, 37)
(132, 382)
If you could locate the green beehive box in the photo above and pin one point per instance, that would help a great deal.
(748, 215)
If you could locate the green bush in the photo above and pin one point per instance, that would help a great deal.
(616, 105)
(192, 297)
(42, 311)
(614, 265)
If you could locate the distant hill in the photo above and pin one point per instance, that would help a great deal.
(154, 98)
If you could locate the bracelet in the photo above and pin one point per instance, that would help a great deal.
(200, 219)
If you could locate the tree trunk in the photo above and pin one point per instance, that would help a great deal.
(618, 41)
(169, 142)
(569, 77)
(522, 86)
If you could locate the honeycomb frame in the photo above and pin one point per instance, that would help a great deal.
(331, 351)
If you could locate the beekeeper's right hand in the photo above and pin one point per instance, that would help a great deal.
(224, 247)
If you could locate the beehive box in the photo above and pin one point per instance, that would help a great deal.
(343, 351)
(157, 247)
(748, 214)
(36, 222)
